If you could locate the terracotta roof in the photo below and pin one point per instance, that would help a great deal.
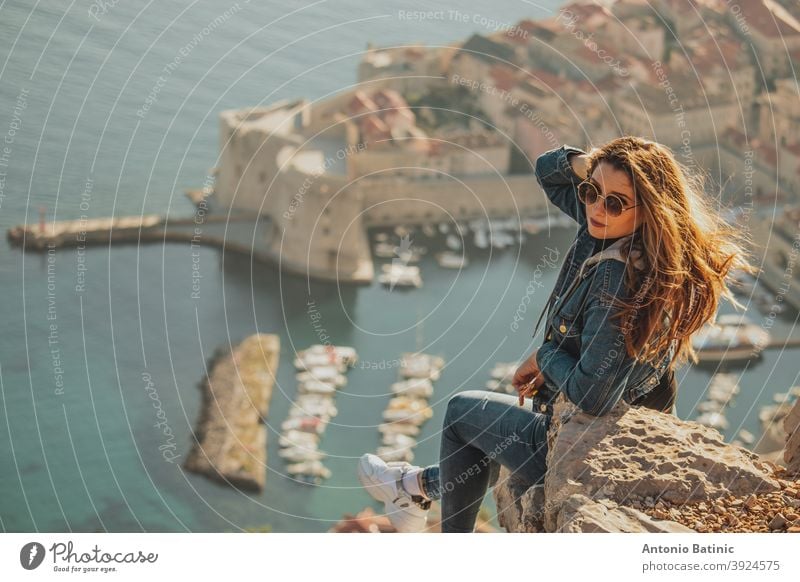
(546, 79)
(770, 18)
(361, 102)
(504, 77)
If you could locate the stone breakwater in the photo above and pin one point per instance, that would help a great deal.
(231, 437)
(636, 470)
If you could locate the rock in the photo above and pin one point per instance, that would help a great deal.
(791, 452)
(581, 514)
(635, 452)
(520, 506)
(777, 522)
(635, 469)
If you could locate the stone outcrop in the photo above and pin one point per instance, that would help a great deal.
(637, 470)
(578, 513)
(791, 452)
(231, 438)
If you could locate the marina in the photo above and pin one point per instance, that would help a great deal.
(408, 408)
(321, 370)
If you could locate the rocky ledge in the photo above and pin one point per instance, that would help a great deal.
(636, 470)
(231, 438)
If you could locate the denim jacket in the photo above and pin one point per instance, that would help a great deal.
(584, 354)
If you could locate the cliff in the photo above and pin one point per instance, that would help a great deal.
(637, 470)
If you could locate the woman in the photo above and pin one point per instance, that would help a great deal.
(646, 271)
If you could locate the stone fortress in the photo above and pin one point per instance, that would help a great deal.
(323, 172)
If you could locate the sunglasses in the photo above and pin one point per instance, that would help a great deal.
(588, 193)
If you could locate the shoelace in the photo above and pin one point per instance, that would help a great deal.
(418, 500)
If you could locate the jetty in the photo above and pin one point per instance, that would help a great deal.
(231, 437)
(240, 231)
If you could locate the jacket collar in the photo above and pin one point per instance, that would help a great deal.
(613, 251)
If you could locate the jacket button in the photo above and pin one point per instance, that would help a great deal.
(653, 380)
(543, 408)
(562, 328)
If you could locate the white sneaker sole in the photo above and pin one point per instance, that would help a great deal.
(384, 493)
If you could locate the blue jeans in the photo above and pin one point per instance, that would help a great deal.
(483, 430)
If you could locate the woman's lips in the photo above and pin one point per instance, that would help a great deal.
(595, 223)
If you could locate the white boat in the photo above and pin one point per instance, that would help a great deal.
(444, 228)
(406, 402)
(297, 412)
(344, 354)
(328, 374)
(501, 239)
(453, 242)
(713, 420)
(314, 387)
(305, 424)
(309, 468)
(481, 239)
(735, 339)
(416, 387)
(409, 416)
(399, 428)
(503, 370)
(299, 454)
(710, 406)
(398, 275)
(418, 365)
(295, 438)
(319, 360)
(384, 250)
(746, 437)
(323, 409)
(450, 260)
(393, 439)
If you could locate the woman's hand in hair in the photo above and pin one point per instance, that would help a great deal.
(580, 162)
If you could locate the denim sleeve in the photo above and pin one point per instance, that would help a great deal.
(595, 380)
(559, 181)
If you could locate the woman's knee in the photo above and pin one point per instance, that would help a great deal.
(461, 402)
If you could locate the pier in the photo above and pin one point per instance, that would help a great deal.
(236, 231)
(231, 437)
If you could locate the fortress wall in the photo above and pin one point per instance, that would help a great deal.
(248, 164)
(319, 223)
(401, 201)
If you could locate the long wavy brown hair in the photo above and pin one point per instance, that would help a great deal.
(688, 250)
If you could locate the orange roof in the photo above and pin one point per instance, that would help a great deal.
(504, 77)
(361, 102)
(769, 18)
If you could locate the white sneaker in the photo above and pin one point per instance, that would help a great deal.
(381, 480)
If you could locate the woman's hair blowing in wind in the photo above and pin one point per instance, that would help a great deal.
(687, 247)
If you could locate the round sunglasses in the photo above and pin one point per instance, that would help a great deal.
(588, 193)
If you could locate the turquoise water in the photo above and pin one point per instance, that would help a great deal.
(86, 458)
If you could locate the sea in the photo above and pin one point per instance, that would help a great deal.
(111, 109)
